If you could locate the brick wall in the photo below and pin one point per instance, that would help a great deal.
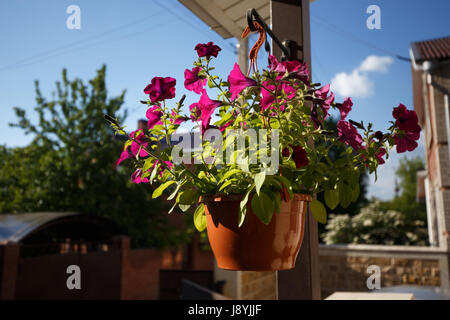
(258, 285)
(344, 267)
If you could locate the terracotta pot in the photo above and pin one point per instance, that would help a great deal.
(255, 246)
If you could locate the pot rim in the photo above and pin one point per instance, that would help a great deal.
(238, 198)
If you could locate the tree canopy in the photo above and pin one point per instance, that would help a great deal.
(70, 164)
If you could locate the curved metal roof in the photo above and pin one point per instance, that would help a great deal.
(14, 227)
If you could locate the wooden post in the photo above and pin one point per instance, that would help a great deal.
(290, 21)
(242, 50)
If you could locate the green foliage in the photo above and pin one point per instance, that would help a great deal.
(69, 166)
(399, 221)
(406, 201)
(373, 225)
(322, 160)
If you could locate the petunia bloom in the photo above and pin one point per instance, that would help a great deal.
(206, 107)
(160, 89)
(406, 141)
(349, 135)
(192, 81)
(136, 177)
(153, 115)
(299, 156)
(345, 107)
(406, 120)
(139, 144)
(207, 50)
(380, 155)
(238, 81)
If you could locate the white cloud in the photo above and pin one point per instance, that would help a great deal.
(376, 64)
(357, 83)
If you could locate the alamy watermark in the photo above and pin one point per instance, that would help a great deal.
(74, 20)
(74, 280)
(242, 147)
(374, 280)
(374, 20)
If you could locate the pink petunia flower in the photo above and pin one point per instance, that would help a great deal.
(136, 177)
(238, 81)
(206, 107)
(161, 88)
(207, 50)
(349, 134)
(192, 81)
(141, 141)
(345, 107)
(153, 115)
(380, 155)
(406, 120)
(406, 141)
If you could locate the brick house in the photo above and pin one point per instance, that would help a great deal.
(431, 84)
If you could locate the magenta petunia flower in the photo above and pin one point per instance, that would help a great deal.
(322, 93)
(345, 107)
(406, 141)
(406, 120)
(206, 107)
(161, 88)
(195, 111)
(176, 118)
(380, 155)
(349, 135)
(192, 81)
(326, 105)
(153, 115)
(136, 177)
(123, 156)
(378, 135)
(298, 155)
(140, 141)
(238, 81)
(207, 50)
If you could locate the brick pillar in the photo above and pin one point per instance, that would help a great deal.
(10, 254)
(248, 285)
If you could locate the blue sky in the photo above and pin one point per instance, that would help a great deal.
(139, 39)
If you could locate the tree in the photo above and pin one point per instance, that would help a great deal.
(70, 164)
(406, 201)
(399, 221)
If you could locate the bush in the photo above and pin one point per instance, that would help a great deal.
(373, 225)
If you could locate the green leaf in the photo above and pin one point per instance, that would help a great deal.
(332, 198)
(243, 207)
(318, 211)
(259, 181)
(229, 174)
(175, 192)
(173, 207)
(355, 193)
(187, 197)
(158, 191)
(200, 218)
(263, 207)
(226, 184)
(287, 184)
(184, 207)
(345, 194)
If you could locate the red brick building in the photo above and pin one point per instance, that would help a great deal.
(431, 84)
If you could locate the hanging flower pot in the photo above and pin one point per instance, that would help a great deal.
(254, 245)
(268, 149)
